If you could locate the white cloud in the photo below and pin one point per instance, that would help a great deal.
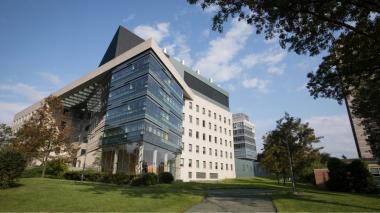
(130, 17)
(180, 49)
(216, 62)
(157, 32)
(336, 130)
(276, 70)
(256, 84)
(22, 90)
(270, 57)
(8, 110)
(52, 78)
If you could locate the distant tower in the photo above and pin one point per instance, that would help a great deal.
(244, 137)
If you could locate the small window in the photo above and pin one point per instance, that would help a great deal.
(209, 138)
(190, 105)
(191, 119)
(203, 111)
(190, 147)
(204, 164)
(204, 136)
(214, 115)
(197, 108)
(190, 133)
(216, 152)
(197, 149)
(190, 175)
(221, 166)
(209, 125)
(209, 113)
(204, 123)
(210, 165)
(204, 150)
(197, 135)
(197, 163)
(182, 162)
(216, 165)
(210, 151)
(190, 163)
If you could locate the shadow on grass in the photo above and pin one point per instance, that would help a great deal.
(311, 198)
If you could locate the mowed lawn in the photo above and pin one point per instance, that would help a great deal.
(36, 194)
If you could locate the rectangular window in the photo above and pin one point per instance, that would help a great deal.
(197, 135)
(221, 141)
(216, 152)
(197, 163)
(214, 115)
(216, 165)
(213, 175)
(220, 118)
(201, 175)
(226, 154)
(190, 133)
(229, 121)
(209, 113)
(209, 125)
(190, 147)
(204, 136)
(191, 119)
(215, 128)
(210, 165)
(190, 163)
(209, 138)
(224, 119)
(190, 175)
(182, 162)
(197, 121)
(225, 131)
(221, 166)
(221, 153)
(231, 155)
(204, 164)
(204, 123)
(203, 111)
(210, 151)
(229, 132)
(230, 144)
(190, 105)
(197, 149)
(220, 129)
(232, 168)
(204, 150)
(215, 139)
(225, 142)
(197, 107)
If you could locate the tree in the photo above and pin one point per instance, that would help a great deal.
(12, 164)
(46, 134)
(5, 134)
(297, 137)
(348, 29)
(361, 180)
(337, 175)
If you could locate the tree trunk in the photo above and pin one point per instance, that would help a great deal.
(44, 165)
(283, 180)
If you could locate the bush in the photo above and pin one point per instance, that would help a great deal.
(120, 178)
(12, 164)
(137, 181)
(165, 177)
(361, 180)
(73, 175)
(32, 172)
(150, 179)
(91, 175)
(337, 175)
(56, 167)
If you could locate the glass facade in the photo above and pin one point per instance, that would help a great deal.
(143, 118)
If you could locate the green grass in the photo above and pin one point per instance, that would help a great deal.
(36, 194)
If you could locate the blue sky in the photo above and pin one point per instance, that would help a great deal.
(47, 44)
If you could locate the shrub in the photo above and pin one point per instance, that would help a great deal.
(56, 167)
(137, 181)
(73, 175)
(32, 172)
(120, 178)
(361, 180)
(165, 177)
(91, 175)
(12, 164)
(337, 175)
(150, 179)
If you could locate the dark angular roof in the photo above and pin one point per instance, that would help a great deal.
(122, 41)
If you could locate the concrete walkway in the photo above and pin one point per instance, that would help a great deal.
(236, 200)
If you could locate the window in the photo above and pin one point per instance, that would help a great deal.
(216, 165)
(197, 149)
(214, 115)
(190, 175)
(224, 119)
(231, 155)
(215, 127)
(226, 154)
(190, 163)
(226, 166)
(210, 151)
(232, 168)
(220, 118)
(209, 125)
(230, 144)
(82, 151)
(221, 153)
(204, 164)
(221, 166)
(203, 111)
(191, 119)
(182, 162)
(209, 113)
(216, 152)
(220, 129)
(225, 142)
(221, 141)
(209, 138)
(216, 139)
(190, 133)
(190, 147)
(197, 108)
(229, 132)
(197, 163)
(229, 121)
(225, 131)
(204, 136)
(204, 123)
(197, 121)
(190, 105)
(196, 134)
(204, 150)
(183, 130)
(210, 165)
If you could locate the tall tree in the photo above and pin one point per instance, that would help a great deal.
(293, 137)
(5, 134)
(348, 29)
(46, 134)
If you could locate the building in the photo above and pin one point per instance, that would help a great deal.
(362, 147)
(132, 115)
(244, 144)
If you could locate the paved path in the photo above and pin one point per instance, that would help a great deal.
(236, 200)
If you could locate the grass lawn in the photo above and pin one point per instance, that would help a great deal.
(36, 194)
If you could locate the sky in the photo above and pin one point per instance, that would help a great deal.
(46, 44)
